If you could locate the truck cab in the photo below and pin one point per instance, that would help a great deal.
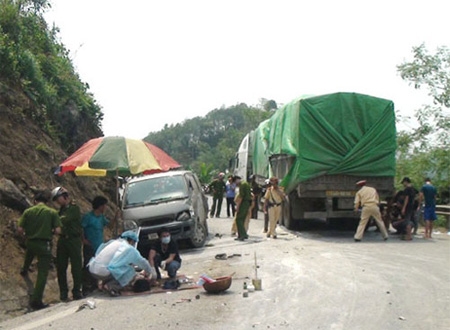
(242, 165)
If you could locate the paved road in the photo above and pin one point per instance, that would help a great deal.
(315, 279)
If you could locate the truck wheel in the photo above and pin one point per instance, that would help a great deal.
(199, 236)
(286, 215)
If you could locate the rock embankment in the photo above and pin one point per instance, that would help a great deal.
(28, 160)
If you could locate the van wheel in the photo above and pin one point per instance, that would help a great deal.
(199, 236)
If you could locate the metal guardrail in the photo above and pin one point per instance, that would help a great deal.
(443, 209)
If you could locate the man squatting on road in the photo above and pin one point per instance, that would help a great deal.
(164, 254)
(114, 263)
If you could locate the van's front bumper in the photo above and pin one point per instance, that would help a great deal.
(178, 230)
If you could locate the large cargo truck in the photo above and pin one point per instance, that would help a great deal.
(319, 147)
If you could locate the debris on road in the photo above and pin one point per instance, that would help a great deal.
(88, 303)
(221, 256)
(224, 256)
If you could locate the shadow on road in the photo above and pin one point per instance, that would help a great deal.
(322, 225)
(343, 230)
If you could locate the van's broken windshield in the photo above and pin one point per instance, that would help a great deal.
(155, 190)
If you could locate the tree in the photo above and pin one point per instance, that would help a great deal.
(431, 71)
(267, 105)
(425, 152)
(270, 105)
(205, 173)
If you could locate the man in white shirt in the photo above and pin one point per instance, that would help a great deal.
(114, 263)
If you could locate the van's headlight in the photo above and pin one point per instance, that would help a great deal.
(130, 225)
(184, 216)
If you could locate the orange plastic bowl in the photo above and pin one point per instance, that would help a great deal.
(221, 284)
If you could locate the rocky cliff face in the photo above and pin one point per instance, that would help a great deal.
(28, 158)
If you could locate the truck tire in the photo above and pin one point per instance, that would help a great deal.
(286, 216)
(199, 236)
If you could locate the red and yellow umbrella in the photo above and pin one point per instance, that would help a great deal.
(117, 156)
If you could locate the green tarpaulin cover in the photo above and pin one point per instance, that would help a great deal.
(341, 133)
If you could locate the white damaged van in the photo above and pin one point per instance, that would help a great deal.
(174, 200)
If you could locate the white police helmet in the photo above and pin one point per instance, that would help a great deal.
(58, 191)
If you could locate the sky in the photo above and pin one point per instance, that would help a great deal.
(150, 63)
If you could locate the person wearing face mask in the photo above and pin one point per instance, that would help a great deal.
(164, 254)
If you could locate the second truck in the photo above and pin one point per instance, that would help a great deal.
(319, 147)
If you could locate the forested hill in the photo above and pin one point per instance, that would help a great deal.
(208, 143)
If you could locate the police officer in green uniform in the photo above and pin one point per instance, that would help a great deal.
(69, 244)
(217, 187)
(38, 224)
(243, 203)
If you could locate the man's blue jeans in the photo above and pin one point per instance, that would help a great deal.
(171, 267)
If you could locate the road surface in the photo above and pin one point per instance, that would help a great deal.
(314, 279)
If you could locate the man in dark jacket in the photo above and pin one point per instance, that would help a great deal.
(408, 207)
(164, 254)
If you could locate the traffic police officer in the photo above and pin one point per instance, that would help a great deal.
(367, 199)
(218, 187)
(69, 244)
(243, 203)
(38, 224)
(273, 203)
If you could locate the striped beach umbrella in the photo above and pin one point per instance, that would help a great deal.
(113, 156)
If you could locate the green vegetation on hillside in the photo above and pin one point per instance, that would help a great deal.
(209, 142)
(34, 61)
